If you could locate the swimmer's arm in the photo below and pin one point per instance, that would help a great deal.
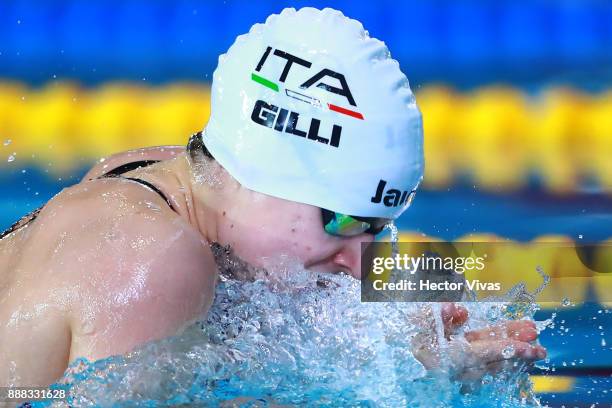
(157, 277)
(109, 163)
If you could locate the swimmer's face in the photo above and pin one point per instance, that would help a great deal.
(260, 228)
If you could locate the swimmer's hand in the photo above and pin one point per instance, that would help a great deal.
(475, 353)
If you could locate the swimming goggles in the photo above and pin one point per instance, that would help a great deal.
(342, 225)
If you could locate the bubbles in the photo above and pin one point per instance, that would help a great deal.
(11, 158)
(545, 281)
(396, 274)
(494, 313)
(301, 342)
(7, 142)
(565, 302)
(394, 232)
(542, 325)
(295, 344)
(508, 352)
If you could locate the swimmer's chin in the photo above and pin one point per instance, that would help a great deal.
(233, 267)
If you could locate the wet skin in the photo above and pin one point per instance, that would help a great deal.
(108, 266)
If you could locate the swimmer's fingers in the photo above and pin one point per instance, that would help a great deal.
(522, 330)
(498, 366)
(490, 351)
(476, 373)
(453, 317)
(491, 357)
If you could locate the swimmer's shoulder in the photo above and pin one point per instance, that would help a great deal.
(120, 266)
(110, 225)
(89, 203)
(134, 260)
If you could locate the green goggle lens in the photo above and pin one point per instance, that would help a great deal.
(347, 226)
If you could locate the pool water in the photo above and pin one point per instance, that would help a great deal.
(322, 346)
(299, 340)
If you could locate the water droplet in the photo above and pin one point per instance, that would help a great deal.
(111, 236)
(493, 314)
(508, 351)
(566, 302)
(7, 142)
(580, 236)
(152, 206)
(87, 327)
(11, 158)
(603, 342)
(487, 379)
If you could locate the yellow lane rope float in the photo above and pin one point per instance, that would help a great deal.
(498, 136)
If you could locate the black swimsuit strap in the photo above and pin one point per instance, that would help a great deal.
(129, 167)
(117, 172)
(152, 187)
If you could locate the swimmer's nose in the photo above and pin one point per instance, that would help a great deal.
(349, 257)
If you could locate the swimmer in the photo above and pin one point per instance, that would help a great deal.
(314, 144)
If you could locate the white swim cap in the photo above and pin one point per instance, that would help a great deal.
(307, 107)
